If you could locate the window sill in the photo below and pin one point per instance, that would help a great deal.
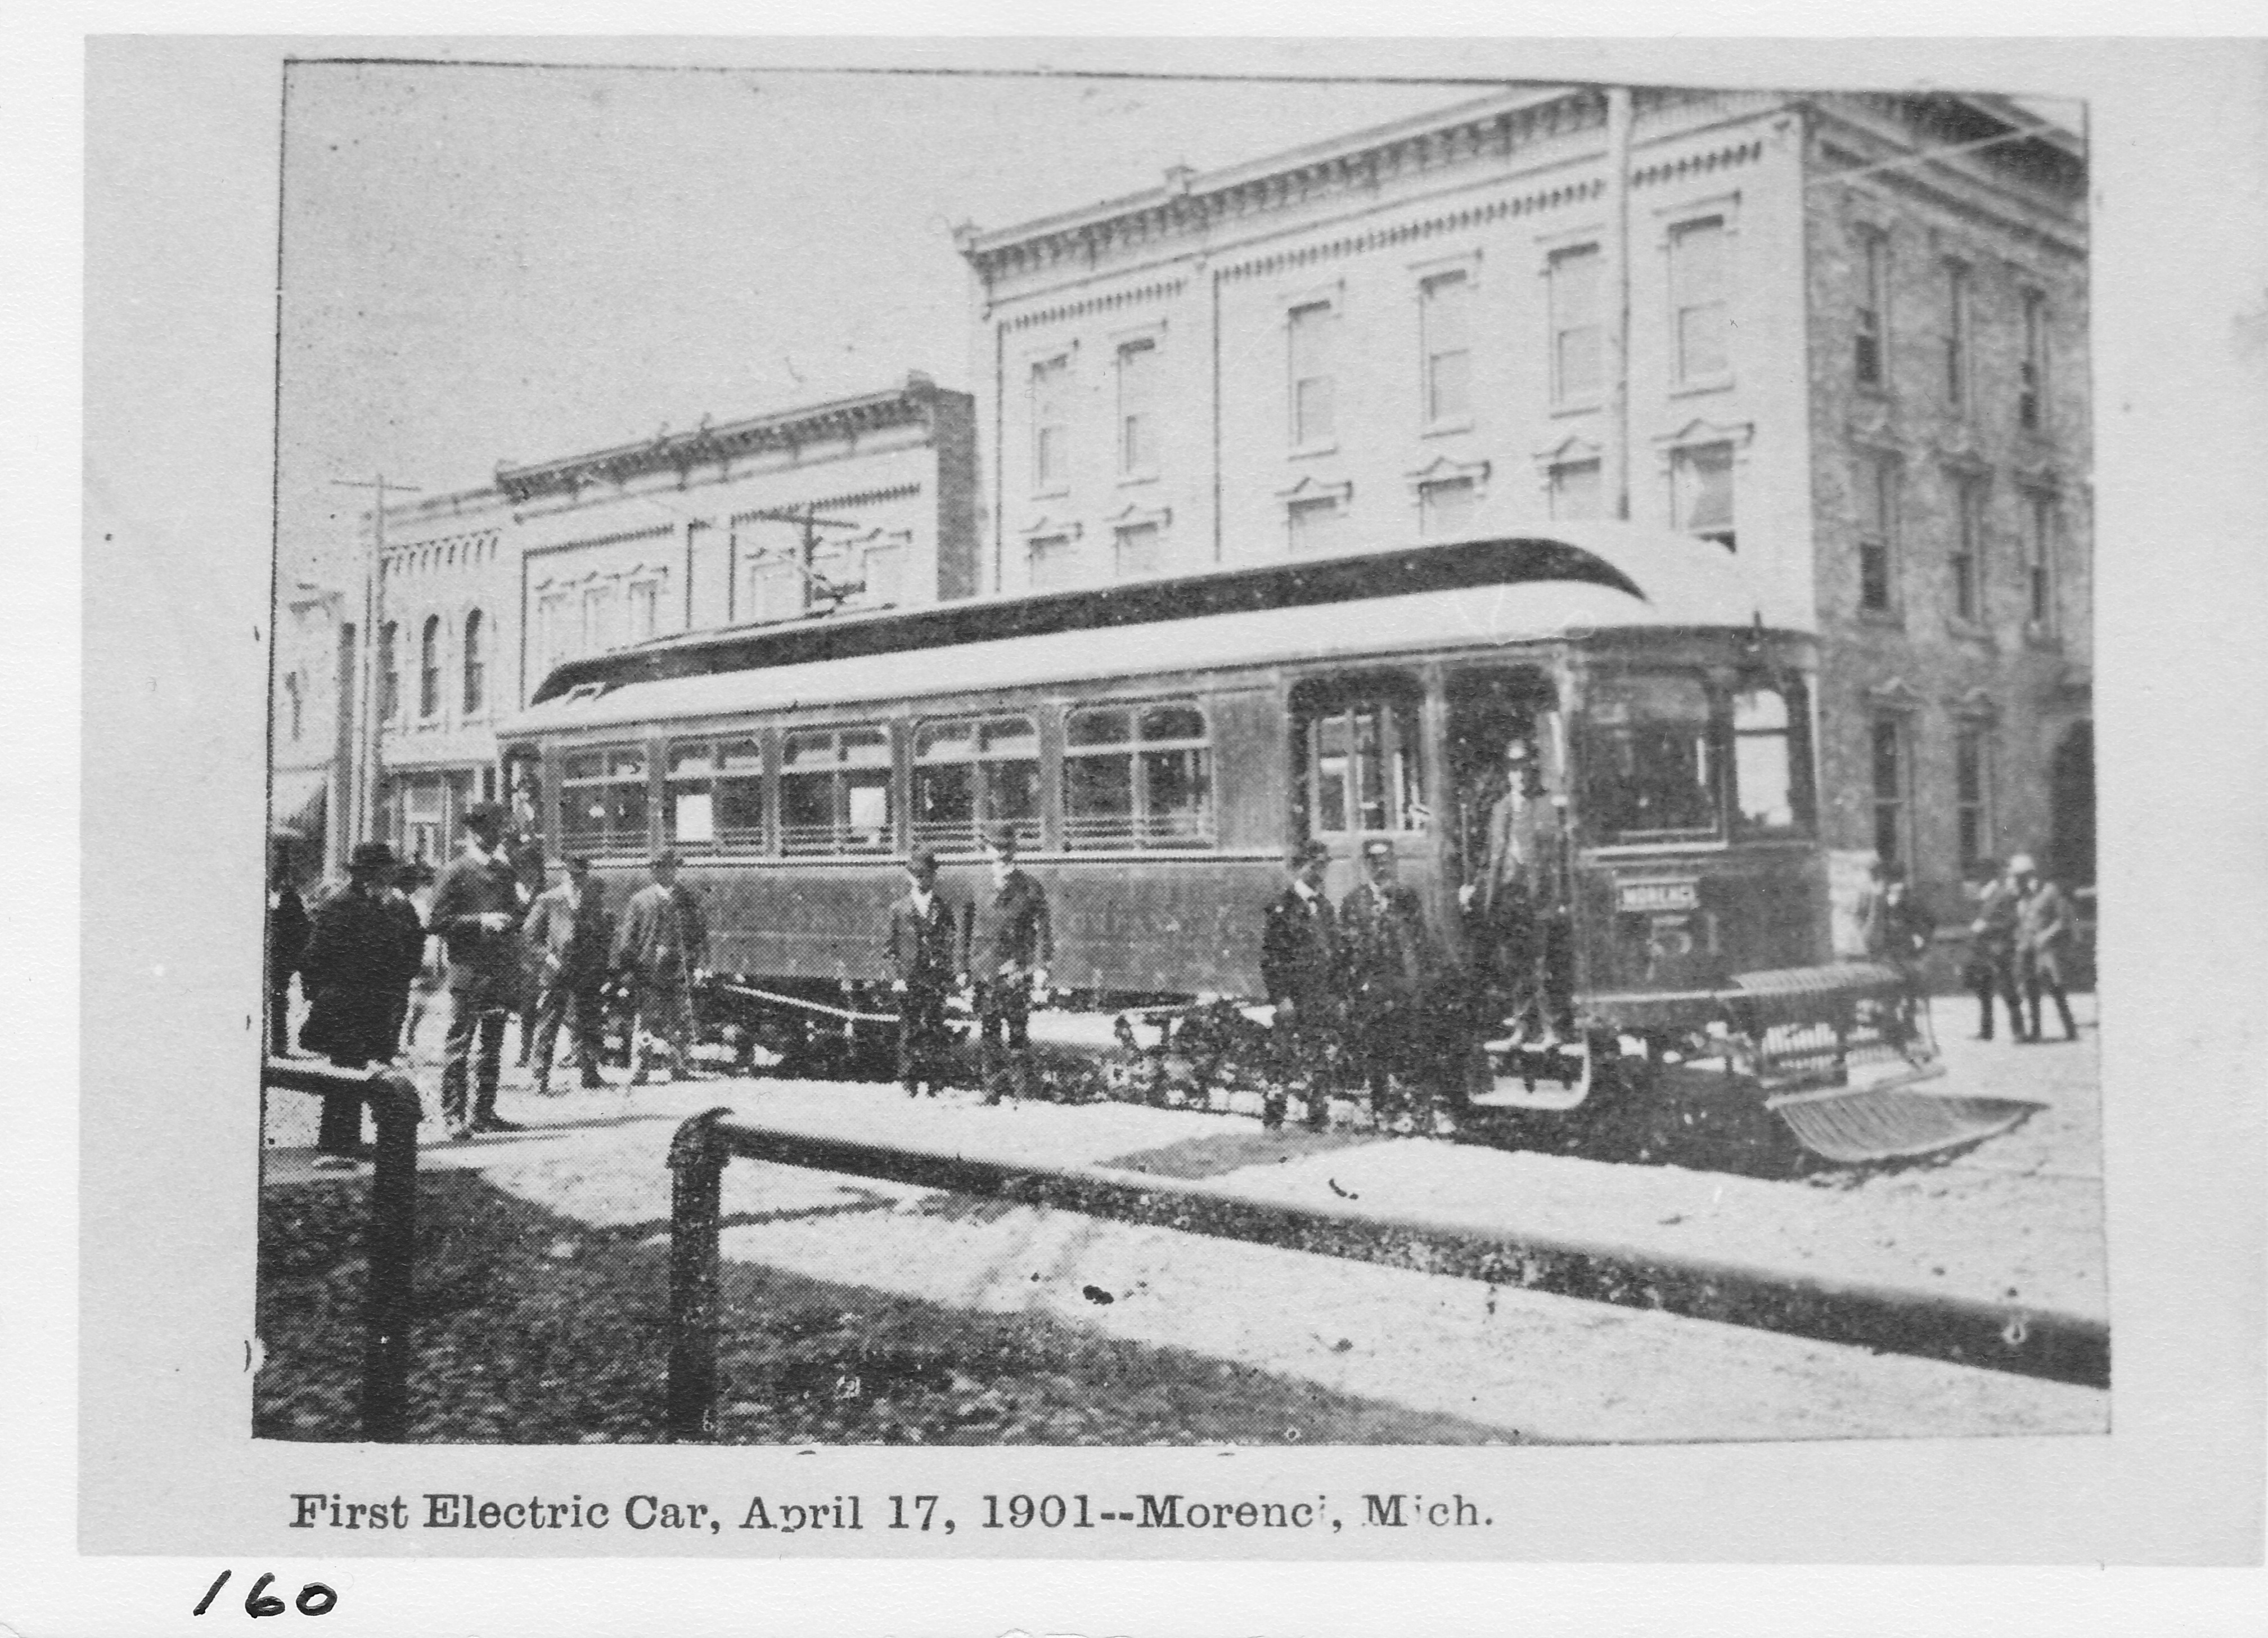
(2042, 639)
(1887, 619)
(1579, 406)
(1447, 429)
(1968, 631)
(1696, 389)
(1058, 493)
(1130, 480)
(1308, 452)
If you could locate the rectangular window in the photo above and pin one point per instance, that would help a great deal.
(1972, 793)
(598, 618)
(645, 606)
(716, 796)
(1874, 309)
(1697, 255)
(1576, 491)
(1363, 770)
(2039, 564)
(1314, 523)
(882, 571)
(2032, 372)
(1054, 562)
(972, 773)
(1766, 782)
(1140, 549)
(1577, 336)
(835, 790)
(1957, 320)
(1969, 551)
(1701, 492)
(1446, 507)
(389, 674)
(1878, 522)
(1649, 761)
(1889, 745)
(602, 802)
(1138, 776)
(776, 588)
(1444, 304)
(1051, 425)
(1313, 421)
(1138, 426)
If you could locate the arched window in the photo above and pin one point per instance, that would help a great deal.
(389, 672)
(429, 679)
(476, 669)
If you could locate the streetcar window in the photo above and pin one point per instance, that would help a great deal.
(974, 772)
(603, 803)
(1763, 763)
(1362, 770)
(1137, 776)
(715, 795)
(835, 790)
(1648, 772)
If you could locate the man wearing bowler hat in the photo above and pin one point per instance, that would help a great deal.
(365, 945)
(925, 935)
(567, 928)
(1299, 964)
(477, 910)
(663, 942)
(1392, 967)
(1007, 951)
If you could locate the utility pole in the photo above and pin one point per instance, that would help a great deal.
(816, 584)
(369, 726)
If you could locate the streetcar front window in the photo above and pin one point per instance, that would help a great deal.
(1649, 772)
(1764, 783)
(1137, 776)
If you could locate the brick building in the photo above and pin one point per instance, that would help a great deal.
(1842, 335)
(861, 503)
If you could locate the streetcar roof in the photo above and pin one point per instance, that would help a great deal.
(1634, 578)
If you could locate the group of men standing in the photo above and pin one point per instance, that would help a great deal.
(999, 945)
(2020, 944)
(364, 944)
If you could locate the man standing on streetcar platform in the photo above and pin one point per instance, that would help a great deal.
(477, 910)
(1007, 948)
(663, 942)
(924, 933)
(1509, 900)
(1300, 965)
(1393, 969)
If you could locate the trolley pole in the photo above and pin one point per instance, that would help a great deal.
(369, 727)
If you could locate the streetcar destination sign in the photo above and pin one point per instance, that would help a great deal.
(1673, 893)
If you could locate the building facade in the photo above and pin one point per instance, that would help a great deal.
(1842, 337)
(860, 504)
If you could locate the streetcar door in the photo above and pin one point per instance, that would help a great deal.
(1490, 710)
(1359, 772)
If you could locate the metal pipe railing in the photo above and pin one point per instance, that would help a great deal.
(390, 1237)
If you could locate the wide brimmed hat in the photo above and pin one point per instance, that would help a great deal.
(1306, 852)
(1001, 838)
(485, 817)
(371, 856)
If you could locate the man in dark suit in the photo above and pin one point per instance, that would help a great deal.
(570, 931)
(365, 945)
(662, 943)
(1300, 965)
(924, 936)
(1392, 967)
(287, 942)
(477, 910)
(1009, 943)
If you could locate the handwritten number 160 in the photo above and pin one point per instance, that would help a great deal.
(314, 1598)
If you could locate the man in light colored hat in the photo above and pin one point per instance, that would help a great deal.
(477, 910)
(1991, 968)
(567, 927)
(662, 943)
(925, 947)
(1300, 966)
(1008, 946)
(2043, 930)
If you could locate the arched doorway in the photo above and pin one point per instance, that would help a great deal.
(2071, 801)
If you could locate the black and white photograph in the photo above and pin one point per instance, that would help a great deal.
(1112, 800)
(1358, 763)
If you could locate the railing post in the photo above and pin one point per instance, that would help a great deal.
(696, 1166)
(392, 1248)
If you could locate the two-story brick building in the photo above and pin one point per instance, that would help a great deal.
(1841, 336)
(861, 503)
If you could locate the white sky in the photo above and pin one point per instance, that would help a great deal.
(488, 263)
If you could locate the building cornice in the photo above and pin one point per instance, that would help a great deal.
(1190, 203)
(716, 446)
